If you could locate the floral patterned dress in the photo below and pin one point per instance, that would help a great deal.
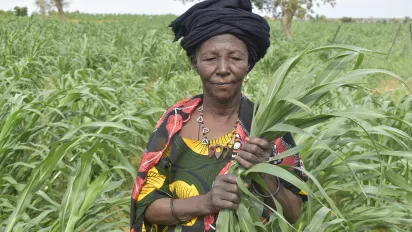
(178, 167)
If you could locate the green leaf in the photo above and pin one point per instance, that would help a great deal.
(398, 180)
(178, 228)
(75, 196)
(358, 114)
(357, 74)
(317, 220)
(334, 69)
(343, 47)
(223, 221)
(37, 177)
(245, 221)
(359, 61)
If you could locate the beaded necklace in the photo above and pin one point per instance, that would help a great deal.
(218, 150)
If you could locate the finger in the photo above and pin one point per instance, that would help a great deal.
(232, 197)
(232, 188)
(228, 179)
(251, 158)
(223, 204)
(243, 162)
(262, 143)
(253, 149)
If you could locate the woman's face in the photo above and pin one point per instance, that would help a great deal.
(222, 64)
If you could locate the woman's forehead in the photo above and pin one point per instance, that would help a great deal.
(224, 41)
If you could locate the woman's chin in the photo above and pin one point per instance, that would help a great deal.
(223, 96)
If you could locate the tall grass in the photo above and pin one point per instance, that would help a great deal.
(79, 100)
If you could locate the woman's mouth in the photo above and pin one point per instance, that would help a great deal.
(222, 84)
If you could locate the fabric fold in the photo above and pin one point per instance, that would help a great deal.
(215, 17)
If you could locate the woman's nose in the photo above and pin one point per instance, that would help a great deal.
(223, 67)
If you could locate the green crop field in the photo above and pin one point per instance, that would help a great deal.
(78, 100)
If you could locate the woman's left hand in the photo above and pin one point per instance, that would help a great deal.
(255, 151)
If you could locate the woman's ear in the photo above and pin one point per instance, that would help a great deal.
(249, 63)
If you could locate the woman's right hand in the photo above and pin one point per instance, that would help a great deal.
(225, 194)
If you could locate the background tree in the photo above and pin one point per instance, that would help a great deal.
(46, 5)
(59, 5)
(20, 11)
(17, 11)
(287, 9)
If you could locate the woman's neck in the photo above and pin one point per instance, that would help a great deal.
(221, 109)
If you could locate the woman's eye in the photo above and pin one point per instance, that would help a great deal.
(236, 58)
(210, 59)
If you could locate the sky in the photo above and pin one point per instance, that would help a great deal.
(349, 8)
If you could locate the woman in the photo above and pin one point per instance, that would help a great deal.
(182, 177)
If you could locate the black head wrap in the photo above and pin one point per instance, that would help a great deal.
(215, 17)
